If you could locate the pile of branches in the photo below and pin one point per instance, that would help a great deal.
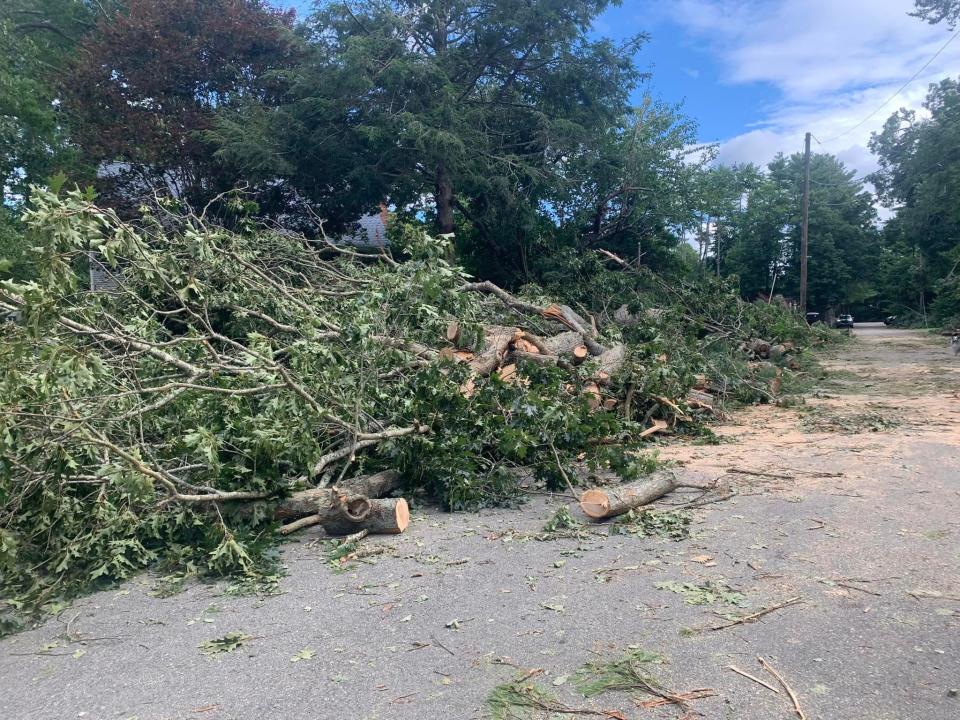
(236, 384)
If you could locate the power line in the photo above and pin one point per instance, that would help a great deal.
(900, 90)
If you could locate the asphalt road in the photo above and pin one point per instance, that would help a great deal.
(848, 502)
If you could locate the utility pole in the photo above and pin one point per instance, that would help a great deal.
(805, 229)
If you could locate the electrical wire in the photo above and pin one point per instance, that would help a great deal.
(900, 90)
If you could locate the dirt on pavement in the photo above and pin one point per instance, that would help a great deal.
(848, 502)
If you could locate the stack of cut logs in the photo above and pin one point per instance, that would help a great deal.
(360, 503)
(503, 347)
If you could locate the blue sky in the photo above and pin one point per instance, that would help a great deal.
(758, 74)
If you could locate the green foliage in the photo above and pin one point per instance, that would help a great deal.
(480, 443)
(519, 700)
(471, 104)
(231, 363)
(920, 174)
(230, 642)
(671, 524)
(936, 11)
(561, 521)
(36, 38)
(760, 237)
(628, 673)
(708, 593)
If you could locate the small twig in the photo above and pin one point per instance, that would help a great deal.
(556, 455)
(854, 587)
(441, 645)
(757, 680)
(760, 614)
(793, 696)
(674, 700)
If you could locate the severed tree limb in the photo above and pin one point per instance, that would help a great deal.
(506, 298)
(602, 503)
(757, 680)
(303, 522)
(559, 313)
(757, 615)
(793, 696)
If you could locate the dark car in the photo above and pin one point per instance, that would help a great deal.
(845, 321)
(813, 317)
(890, 320)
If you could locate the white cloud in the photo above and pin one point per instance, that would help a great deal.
(833, 63)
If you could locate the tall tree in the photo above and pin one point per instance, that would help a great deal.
(147, 81)
(919, 175)
(765, 238)
(758, 233)
(36, 38)
(936, 11)
(631, 190)
(476, 105)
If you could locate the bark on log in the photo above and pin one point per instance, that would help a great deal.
(611, 361)
(377, 485)
(601, 503)
(564, 314)
(389, 516)
(562, 344)
(497, 340)
(537, 358)
(700, 400)
(306, 502)
(623, 317)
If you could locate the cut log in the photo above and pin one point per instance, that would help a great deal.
(525, 346)
(610, 404)
(610, 362)
(699, 400)
(564, 314)
(658, 426)
(592, 393)
(377, 485)
(389, 516)
(508, 373)
(580, 353)
(600, 503)
(536, 342)
(562, 344)
(453, 332)
(306, 502)
(760, 348)
(497, 339)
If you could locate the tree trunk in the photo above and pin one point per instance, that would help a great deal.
(306, 502)
(443, 197)
(600, 503)
(389, 516)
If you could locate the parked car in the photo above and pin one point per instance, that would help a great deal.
(845, 321)
(813, 317)
(890, 320)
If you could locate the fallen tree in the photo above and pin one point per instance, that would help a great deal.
(230, 385)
